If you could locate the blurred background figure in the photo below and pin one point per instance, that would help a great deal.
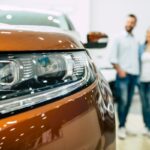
(145, 81)
(124, 57)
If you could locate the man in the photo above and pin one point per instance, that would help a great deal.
(124, 57)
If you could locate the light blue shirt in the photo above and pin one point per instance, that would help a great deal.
(124, 52)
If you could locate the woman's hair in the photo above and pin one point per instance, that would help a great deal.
(148, 30)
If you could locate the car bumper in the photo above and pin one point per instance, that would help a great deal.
(71, 123)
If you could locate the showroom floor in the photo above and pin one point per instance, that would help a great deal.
(135, 124)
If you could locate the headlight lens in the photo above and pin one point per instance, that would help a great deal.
(27, 79)
(8, 73)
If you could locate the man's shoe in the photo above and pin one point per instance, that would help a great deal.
(122, 133)
(132, 132)
(146, 132)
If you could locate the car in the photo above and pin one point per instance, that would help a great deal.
(51, 96)
(101, 56)
(29, 16)
(58, 19)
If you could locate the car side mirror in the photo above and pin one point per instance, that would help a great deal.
(96, 40)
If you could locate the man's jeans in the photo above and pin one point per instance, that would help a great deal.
(125, 90)
(145, 98)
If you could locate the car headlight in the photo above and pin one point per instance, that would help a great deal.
(29, 79)
(8, 72)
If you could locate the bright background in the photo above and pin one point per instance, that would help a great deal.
(107, 16)
(100, 15)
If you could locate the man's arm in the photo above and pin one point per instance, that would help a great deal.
(114, 58)
(120, 72)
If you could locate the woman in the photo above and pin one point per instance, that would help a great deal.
(145, 81)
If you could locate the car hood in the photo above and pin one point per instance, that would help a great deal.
(26, 38)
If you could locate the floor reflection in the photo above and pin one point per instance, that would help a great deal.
(135, 124)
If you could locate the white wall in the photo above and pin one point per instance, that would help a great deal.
(101, 15)
(77, 10)
(110, 15)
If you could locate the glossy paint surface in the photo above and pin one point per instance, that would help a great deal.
(76, 122)
(33, 39)
(69, 123)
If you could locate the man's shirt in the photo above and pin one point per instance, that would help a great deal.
(124, 52)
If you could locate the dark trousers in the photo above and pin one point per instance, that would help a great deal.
(145, 99)
(125, 91)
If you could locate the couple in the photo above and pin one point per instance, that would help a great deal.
(132, 63)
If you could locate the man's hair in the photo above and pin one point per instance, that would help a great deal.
(133, 16)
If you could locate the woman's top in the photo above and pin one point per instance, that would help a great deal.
(145, 65)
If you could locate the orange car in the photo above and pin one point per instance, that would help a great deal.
(51, 97)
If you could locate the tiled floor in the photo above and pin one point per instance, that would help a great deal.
(135, 124)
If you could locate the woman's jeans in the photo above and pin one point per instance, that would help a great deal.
(125, 91)
(145, 98)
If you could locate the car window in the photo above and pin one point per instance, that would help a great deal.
(70, 25)
(33, 18)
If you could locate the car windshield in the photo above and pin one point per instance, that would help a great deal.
(12, 17)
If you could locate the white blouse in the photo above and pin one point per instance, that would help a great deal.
(145, 67)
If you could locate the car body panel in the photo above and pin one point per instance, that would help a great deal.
(29, 38)
(50, 126)
(76, 122)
